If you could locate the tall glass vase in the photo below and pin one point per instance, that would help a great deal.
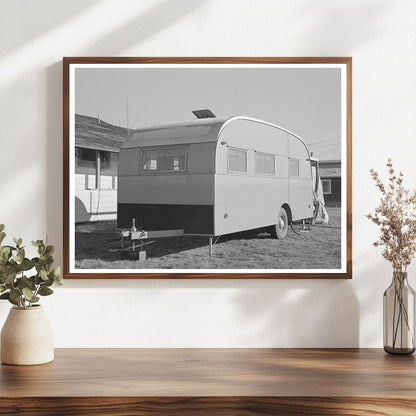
(399, 316)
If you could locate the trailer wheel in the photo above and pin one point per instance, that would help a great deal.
(279, 230)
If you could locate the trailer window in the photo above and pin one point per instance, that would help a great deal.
(164, 160)
(293, 167)
(265, 163)
(237, 160)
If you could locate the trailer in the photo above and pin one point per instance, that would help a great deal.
(213, 177)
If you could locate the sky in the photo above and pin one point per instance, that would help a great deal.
(306, 101)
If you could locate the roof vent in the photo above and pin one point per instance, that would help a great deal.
(203, 113)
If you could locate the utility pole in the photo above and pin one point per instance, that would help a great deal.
(127, 116)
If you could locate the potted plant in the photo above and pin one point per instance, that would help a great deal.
(27, 336)
(396, 217)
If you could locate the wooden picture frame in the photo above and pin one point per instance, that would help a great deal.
(105, 160)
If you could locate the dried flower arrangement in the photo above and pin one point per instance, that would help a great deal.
(396, 217)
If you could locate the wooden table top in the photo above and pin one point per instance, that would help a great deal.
(214, 372)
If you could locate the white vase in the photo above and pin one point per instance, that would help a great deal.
(27, 337)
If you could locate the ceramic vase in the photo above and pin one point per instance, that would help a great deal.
(27, 337)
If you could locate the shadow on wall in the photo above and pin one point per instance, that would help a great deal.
(39, 17)
(300, 313)
(54, 146)
(141, 27)
(155, 19)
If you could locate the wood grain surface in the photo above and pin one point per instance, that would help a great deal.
(208, 406)
(212, 381)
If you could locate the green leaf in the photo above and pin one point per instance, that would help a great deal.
(49, 250)
(37, 243)
(48, 282)
(2, 227)
(3, 258)
(11, 248)
(43, 274)
(4, 270)
(27, 293)
(24, 282)
(7, 296)
(21, 255)
(26, 264)
(58, 280)
(15, 294)
(5, 250)
(55, 273)
(45, 291)
(9, 277)
(18, 242)
(37, 280)
(2, 236)
(47, 260)
(4, 254)
(2, 288)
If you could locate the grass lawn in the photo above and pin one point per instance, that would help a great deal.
(97, 245)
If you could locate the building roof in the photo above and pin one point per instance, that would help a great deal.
(330, 168)
(332, 162)
(92, 133)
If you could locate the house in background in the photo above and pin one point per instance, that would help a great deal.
(97, 145)
(330, 173)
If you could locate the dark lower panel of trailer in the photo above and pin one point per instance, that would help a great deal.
(193, 219)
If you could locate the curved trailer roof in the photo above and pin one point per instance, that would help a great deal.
(192, 131)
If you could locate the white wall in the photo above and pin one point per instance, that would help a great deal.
(380, 35)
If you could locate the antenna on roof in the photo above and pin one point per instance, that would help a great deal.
(203, 113)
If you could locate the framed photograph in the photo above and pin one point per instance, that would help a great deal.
(207, 167)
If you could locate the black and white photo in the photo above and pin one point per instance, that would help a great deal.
(217, 168)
